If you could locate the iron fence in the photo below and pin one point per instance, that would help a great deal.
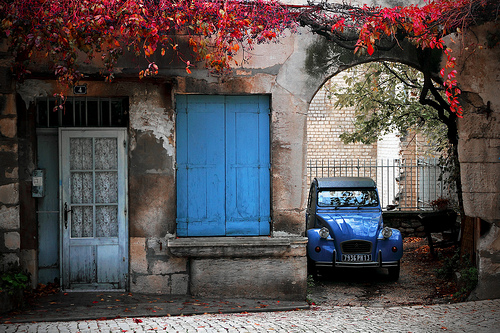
(402, 184)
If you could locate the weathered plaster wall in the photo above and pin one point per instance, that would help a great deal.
(479, 147)
(152, 193)
(275, 69)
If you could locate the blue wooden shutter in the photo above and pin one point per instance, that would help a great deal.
(247, 165)
(200, 166)
(223, 181)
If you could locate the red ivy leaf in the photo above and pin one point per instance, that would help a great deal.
(370, 49)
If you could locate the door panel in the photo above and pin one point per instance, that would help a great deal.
(108, 257)
(93, 206)
(247, 166)
(82, 267)
(200, 166)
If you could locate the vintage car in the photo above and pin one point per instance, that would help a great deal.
(345, 227)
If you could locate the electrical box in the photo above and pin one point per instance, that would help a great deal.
(38, 183)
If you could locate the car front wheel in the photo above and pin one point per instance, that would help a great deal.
(394, 272)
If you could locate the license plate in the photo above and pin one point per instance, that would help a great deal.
(356, 257)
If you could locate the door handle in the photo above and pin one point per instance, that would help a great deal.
(66, 211)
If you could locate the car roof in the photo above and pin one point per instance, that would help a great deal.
(332, 182)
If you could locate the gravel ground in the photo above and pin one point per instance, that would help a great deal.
(417, 284)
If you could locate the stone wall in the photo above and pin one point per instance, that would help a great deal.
(10, 238)
(407, 222)
(479, 148)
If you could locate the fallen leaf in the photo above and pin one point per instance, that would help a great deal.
(137, 321)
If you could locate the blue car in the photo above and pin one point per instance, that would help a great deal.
(345, 227)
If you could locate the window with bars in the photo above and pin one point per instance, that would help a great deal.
(82, 112)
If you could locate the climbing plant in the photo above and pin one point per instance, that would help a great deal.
(365, 29)
(69, 32)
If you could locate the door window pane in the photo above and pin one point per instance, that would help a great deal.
(106, 154)
(106, 187)
(81, 154)
(81, 187)
(81, 221)
(107, 221)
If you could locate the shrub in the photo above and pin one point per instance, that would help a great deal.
(13, 278)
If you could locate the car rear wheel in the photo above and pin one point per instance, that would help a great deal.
(394, 272)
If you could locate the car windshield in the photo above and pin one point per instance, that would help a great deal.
(348, 198)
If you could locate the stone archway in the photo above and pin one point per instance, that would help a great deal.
(479, 148)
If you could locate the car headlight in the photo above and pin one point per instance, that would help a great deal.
(323, 232)
(387, 232)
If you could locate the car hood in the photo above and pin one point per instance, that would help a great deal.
(353, 225)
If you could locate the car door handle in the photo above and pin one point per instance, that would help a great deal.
(66, 211)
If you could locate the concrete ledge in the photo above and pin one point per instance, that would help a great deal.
(231, 247)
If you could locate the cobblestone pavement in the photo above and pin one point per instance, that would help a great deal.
(480, 316)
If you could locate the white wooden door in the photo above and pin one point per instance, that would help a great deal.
(93, 189)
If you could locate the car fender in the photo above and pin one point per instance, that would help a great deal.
(327, 246)
(385, 246)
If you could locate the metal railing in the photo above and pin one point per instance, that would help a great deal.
(402, 184)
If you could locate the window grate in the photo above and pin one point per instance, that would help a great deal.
(82, 112)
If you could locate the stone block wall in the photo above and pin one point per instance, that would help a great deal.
(479, 149)
(407, 222)
(154, 270)
(10, 238)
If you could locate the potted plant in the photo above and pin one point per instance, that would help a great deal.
(440, 204)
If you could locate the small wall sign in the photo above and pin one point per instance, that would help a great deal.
(80, 90)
